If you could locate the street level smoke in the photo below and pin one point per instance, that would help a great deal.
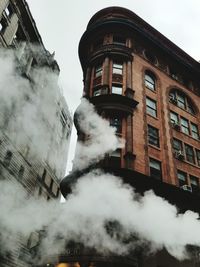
(103, 213)
(100, 138)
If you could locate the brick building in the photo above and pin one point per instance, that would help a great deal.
(36, 174)
(149, 89)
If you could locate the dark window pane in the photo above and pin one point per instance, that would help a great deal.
(185, 126)
(182, 178)
(155, 169)
(189, 152)
(194, 131)
(119, 40)
(194, 182)
(153, 136)
(177, 145)
(198, 156)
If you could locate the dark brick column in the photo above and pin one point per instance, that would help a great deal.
(87, 82)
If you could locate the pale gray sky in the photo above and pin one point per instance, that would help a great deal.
(62, 22)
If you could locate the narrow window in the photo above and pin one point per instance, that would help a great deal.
(155, 169)
(98, 71)
(185, 126)
(174, 118)
(189, 152)
(44, 174)
(198, 156)
(7, 158)
(182, 178)
(153, 136)
(3, 25)
(149, 81)
(194, 182)
(117, 68)
(151, 107)
(181, 101)
(21, 172)
(194, 131)
(178, 149)
(9, 11)
(117, 89)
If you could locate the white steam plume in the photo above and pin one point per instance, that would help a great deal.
(100, 137)
(29, 113)
(97, 200)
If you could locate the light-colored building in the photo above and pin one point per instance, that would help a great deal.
(35, 123)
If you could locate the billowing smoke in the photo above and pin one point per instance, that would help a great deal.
(100, 137)
(29, 110)
(101, 212)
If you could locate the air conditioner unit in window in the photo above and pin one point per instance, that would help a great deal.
(173, 99)
(187, 188)
(179, 155)
(176, 126)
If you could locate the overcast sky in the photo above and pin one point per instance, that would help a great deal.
(61, 24)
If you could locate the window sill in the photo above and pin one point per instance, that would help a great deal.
(156, 118)
(155, 147)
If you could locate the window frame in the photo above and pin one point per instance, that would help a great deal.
(150, 108)
(115, 86)
(181, 100)
(153, 136)
(189, 153)
(155, 172)
(179, 172)
(150, 81)
(117, 68)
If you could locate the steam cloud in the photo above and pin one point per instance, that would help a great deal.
(29, 111)
(102, 211)
(96, 200)
(101, 137)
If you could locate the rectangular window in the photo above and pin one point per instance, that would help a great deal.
(9, 11)
(151, 107)
(155, 169)
(198, 156)
(189, 152)
(182, 178)
(177, 145)
(98, 71)
(194, 182)
(185, 126)
(153, 136)
(181, 101)
(174, 118)
(3, 25)
(117, 68)
(194, 131)
(117, 89)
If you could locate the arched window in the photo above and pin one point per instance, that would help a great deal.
(181, 100)
(150, 81)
